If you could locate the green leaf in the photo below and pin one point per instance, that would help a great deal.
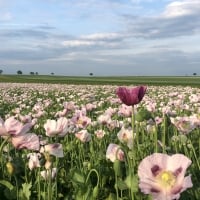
(95, 192)
(10, 194)
(25, 192)
(132, 182)
(78, 176)
(7, 184)
(142, 115)
(131, 155)
(111, 197)
(122, 185)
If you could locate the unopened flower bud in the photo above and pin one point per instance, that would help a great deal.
(10, 168)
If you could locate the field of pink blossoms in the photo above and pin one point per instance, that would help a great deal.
(70, 142)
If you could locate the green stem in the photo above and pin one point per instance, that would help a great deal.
(49, 189)
(3, 143)
(38, 185)
(135, 140)
(116, 186)
(132, 193)
(156, 140)
(97, 174)
(164, 135)
(17, 187)
(195, 155)
(133, 121)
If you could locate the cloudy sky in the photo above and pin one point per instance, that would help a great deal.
(105, 37)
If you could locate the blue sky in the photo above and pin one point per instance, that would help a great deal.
(107, 37)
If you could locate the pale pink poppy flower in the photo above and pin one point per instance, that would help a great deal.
(125, 110)
(151, 106)
(178, 103)
(183, 124)
(34, 121)
(47, 102)
(18, 133)
(12, 127)
(125, 135)
(114, 100)
(168, 111)
(186, 107)
(50, 173)
(173, 94)
(34, 161)
(100, 133)
(25, 118)
(80, 119)
(195, 119)
(56, 128)
(158, 120)
(90, 106)
(61, 113)
(113, 124)
(27, 141)
(37, 107)
(55, 149)
(114, 152)
(194, 98)
(39, 114)
(110, 111)
(104, 119)
(163, 176)
(69, 105)
(16, 110)
(83, 136)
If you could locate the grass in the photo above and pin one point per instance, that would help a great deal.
(193, 81)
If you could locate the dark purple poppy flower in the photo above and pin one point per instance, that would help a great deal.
(131, 96)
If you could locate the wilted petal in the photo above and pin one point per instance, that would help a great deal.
(33, 160)
(59, 127)
(14, 127)
(83, 136)
(114, 153)
(54, 149)
(50, 173)
(3, 131)
(27, 141)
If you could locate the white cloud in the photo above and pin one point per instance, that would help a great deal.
(182, 8)
(76, 43)
(101, 36)
(97, 39)
(180, 18)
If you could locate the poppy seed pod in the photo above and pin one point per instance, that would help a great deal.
(131, 96)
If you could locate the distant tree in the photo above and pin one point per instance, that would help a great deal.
(194, 74)
(91, 74)
(19, 72)
(52, 73)
(36, 73)
(32, 73)
(1, 71)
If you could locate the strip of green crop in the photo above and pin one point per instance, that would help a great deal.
(129, 80)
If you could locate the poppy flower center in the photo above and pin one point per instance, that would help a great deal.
(166, 179)
(124, 137)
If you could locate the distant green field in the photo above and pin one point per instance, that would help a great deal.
(113, 80)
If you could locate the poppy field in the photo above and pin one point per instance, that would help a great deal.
(99, 142)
